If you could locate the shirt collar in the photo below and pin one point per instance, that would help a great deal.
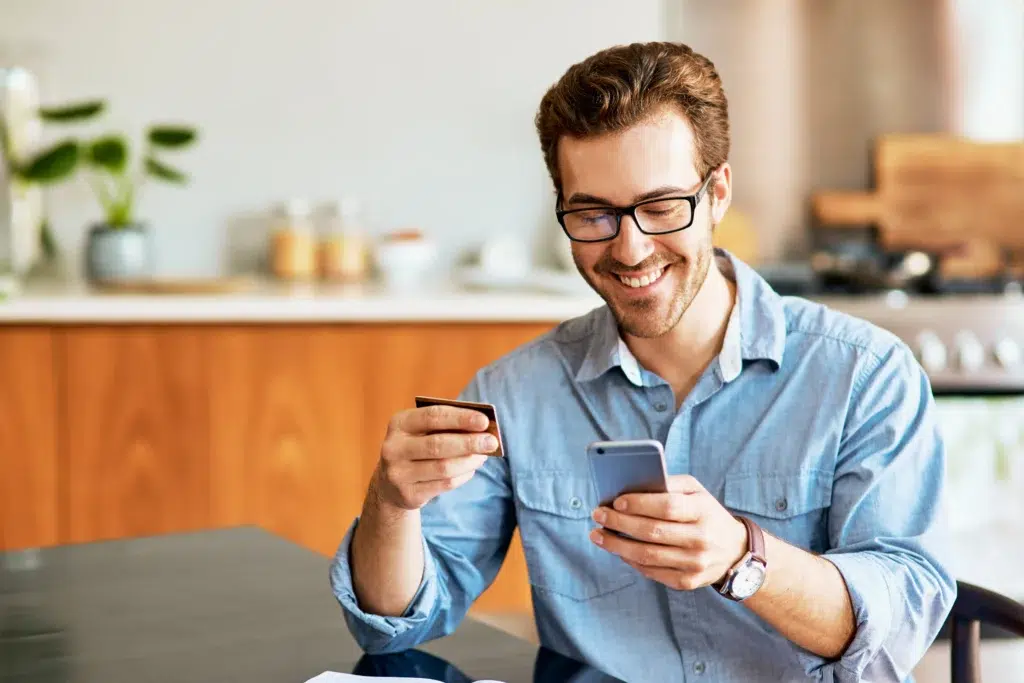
(756, 330)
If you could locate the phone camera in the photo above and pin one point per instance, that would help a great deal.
(600, 451)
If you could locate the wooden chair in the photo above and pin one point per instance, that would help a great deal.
(974, 606)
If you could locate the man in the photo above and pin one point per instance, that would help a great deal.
(816, 427)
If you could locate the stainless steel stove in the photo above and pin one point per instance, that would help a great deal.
(968, 344)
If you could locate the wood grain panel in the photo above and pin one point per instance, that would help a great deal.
(287, 429)
(439, 360)
(28, 439)
(136, 433)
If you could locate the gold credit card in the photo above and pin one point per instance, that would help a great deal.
(485, 408)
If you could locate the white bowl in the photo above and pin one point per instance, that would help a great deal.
(405, 264)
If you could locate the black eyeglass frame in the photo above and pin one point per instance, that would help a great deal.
(694, 199)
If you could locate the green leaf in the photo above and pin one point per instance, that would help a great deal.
(164, 172)
(109, 152)
(171, 136)
(80, 111)
(54, 164)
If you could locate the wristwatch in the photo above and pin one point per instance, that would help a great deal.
(747, 575)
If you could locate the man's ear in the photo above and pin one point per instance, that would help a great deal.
(721, 193)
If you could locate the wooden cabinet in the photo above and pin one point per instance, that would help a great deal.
(29, 471)
(134, 408)
(287, 429)
(115, 431)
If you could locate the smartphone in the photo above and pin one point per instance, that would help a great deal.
(619, 467)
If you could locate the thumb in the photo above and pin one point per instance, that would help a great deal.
(684, 483)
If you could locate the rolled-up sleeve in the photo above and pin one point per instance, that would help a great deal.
(376, 633)
(466, 535)
(886, 527)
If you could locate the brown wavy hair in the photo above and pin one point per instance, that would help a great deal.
(627, 84)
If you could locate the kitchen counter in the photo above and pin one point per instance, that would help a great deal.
(263, 301)
(266, 302)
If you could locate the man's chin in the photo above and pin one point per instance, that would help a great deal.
(642, 318)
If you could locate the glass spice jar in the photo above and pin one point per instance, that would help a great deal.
(293, 243)
(344, 251)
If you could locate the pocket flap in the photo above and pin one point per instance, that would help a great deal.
(557, 492)
(778, 496)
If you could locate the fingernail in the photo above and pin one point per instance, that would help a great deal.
(488, 443)
(480, 421)
(620, 504)
(600, 515)
(595, 536)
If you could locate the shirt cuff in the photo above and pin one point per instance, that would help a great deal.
(368, 628)
(867, 581)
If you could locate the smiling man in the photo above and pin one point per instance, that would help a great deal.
(801, 536)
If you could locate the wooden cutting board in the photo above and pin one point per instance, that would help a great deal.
(935, 191)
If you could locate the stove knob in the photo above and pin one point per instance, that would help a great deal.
(1008, 353)
(970, 352)
(931, 352)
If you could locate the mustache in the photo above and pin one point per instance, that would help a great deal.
(608, 265)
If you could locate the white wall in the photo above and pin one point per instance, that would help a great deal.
(988, 43)
(422, 108)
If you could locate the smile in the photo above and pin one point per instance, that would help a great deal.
(645, 279)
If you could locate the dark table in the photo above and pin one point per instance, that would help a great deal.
(229, 605)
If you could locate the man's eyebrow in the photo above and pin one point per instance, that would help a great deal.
(582, 198)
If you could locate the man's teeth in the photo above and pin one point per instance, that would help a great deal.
(643, 280)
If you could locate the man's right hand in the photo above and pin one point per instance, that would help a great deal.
(428, 451)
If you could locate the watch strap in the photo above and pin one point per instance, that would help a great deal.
(755, 540)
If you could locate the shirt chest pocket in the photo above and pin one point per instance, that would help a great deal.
(555, 524)
(791, 506)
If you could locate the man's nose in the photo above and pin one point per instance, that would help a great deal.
(631, 246)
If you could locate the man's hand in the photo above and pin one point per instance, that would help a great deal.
(685, 539)
(428, 451)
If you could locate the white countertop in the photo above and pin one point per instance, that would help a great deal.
(266, 302)
(554, 297)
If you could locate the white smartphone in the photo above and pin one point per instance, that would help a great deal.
(619, 467)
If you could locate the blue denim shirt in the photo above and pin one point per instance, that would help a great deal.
(818, 426)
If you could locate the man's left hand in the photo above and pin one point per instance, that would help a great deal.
(684, 539)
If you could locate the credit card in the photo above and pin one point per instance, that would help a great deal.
(485, 408)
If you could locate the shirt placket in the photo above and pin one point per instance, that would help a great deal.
(695, 645)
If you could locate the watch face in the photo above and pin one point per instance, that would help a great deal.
(747, 580)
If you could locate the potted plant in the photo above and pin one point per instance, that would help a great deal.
(118, 247)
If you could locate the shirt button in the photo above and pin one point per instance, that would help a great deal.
(575, 503)
(699, 667)
(661, 406)
(781, 504)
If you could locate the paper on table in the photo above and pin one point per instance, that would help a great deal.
(332, 677)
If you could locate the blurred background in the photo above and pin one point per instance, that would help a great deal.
(235, 237)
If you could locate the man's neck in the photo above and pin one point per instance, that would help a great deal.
(681, 355)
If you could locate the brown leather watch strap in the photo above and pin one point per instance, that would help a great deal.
(755, 540)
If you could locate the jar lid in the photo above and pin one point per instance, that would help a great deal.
(297, 207)
(349, 207)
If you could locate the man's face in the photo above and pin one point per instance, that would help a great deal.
(619, 169)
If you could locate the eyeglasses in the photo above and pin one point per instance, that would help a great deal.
(653, 216)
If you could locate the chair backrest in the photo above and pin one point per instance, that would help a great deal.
(975, 605)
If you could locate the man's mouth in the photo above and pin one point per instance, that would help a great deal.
(642, 279)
